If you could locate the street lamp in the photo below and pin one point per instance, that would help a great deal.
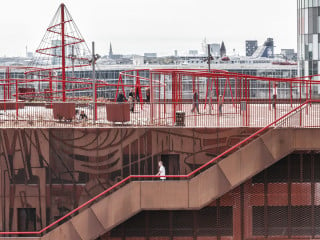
(72, 56)
(92, 61)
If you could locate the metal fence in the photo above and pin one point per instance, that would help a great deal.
(82, 115)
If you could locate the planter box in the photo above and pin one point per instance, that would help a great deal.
(66, 111)
(118, 112)
(11, 105)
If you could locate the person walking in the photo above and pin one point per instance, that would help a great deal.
(195, 101)
(162, 171)
(220, 104)
(274, 97)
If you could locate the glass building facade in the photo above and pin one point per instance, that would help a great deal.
(308, 37)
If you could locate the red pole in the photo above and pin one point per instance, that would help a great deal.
(291, 93)
(50, 86)
(151, 98)
(174, 79)
(164, 95)
(300, 93)
(307, 95)
(5, 85)
(246, 97)
(310, 90)
(159, 105)
(269, 95)
(17, 99)
(236, 89)
(63, 55)
(9, 85)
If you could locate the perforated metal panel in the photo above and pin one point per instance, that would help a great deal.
(283, 202)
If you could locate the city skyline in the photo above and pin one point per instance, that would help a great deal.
(135, 27)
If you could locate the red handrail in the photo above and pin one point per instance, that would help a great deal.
(127, 179)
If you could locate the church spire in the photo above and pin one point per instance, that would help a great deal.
(110, 51)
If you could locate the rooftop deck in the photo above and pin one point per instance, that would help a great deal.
(234, 115)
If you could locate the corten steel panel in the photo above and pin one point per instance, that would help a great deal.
(257, 194)
(277, 194)
(317, 194)
(246, 162)
(159, 238)
(158, 195)
(207, 186)
(306, 139)
(64, 232)
(87, 225)
(280, 142)
(301, 194)
(119, 206)
(132, 238)
(118, 112)
(20, 238)
(182, 238)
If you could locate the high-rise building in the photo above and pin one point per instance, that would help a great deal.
(308, 37)
(251, 47)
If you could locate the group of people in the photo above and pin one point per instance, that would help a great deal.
(134, 96)
(195, 102)
(81, 115)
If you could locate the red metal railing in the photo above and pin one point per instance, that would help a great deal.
(255, 113)
(280, 122)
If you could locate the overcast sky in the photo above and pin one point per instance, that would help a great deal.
(138, 26)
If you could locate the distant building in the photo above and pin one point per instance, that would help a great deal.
(56, 52)
(138, 60)
(223, 51)
(29, 54)
(265, 51)
(214, 49)
(176, 53)
(110, 52)
(193, 52)
(251, 47)
(150, 55)
(289, 54)
(269, 53)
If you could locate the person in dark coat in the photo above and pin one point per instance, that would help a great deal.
(195, 101)
(121, 98)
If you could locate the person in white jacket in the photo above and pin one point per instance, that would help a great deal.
(162, 171)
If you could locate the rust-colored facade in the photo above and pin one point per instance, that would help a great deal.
(46, 173)
(282, 202)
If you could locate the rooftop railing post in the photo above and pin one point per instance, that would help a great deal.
(94, 90)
